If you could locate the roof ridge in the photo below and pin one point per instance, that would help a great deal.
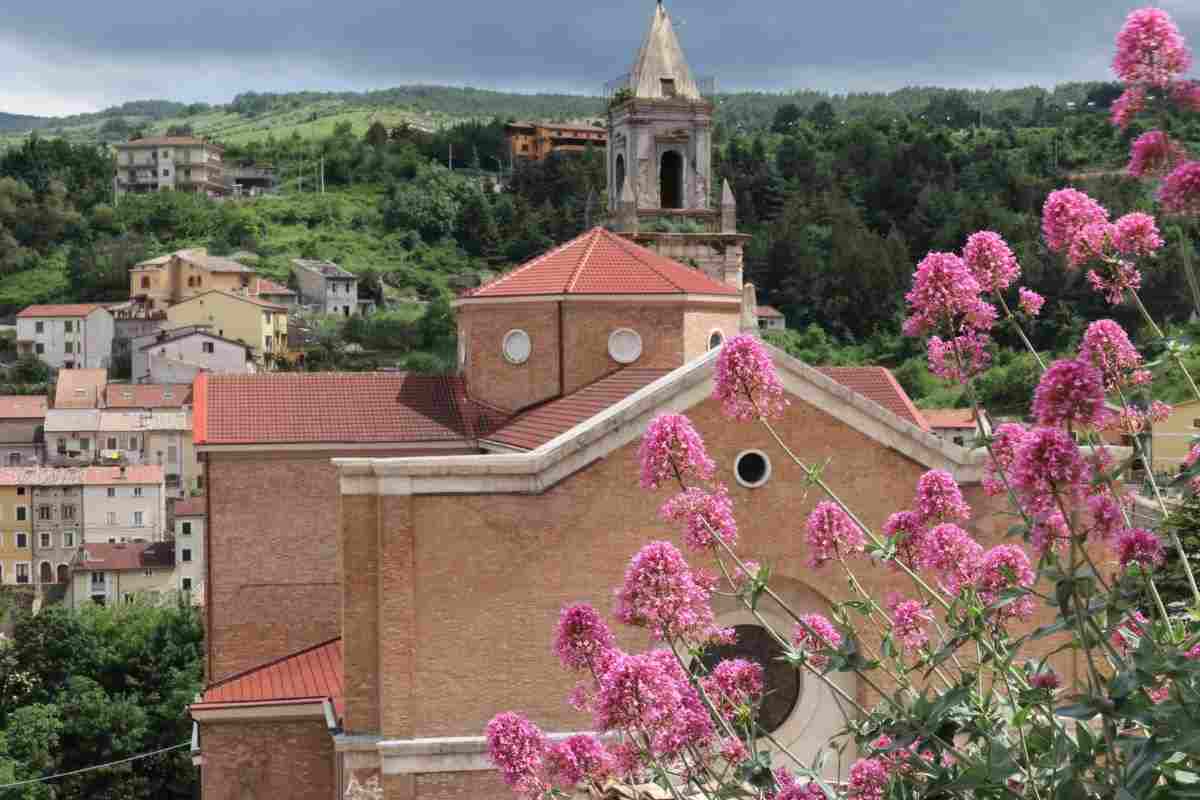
(271, 663)
(638, 252)
(583, 260)
(527, 265)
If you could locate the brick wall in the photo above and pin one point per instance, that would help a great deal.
(490, 376)
(267, 759)
(587, 328)
(700, 321)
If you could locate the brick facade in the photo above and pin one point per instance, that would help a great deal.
(489, 375)
(243, 760)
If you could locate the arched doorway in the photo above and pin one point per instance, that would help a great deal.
(62, 573)
(671, 180)
(620, 176)
(45, 572)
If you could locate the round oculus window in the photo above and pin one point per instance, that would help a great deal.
(517, 346)
(781, 681)
(625, 346)
(752, 468)
(715, 340)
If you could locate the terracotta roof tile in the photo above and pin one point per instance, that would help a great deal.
(880, 386)
(191, 507)
(148, 395)
(539, 425)
(243, 297)
(601, 262)
(364, 407)
(80, 388)
(63, 310)
(311, 674)
(144, 474)
(23, 406)
(949, 417)
(119, 557)
(767, 311)
(265, 286)
(41, 476)
(168, 140)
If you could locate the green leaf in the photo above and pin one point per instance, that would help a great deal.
(1081, 711)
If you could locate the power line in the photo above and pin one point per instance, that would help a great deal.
(89, 769)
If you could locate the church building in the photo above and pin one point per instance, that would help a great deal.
(388, 554)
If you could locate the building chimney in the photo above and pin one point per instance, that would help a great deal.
(749, 323)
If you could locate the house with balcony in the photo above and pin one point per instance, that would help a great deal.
(329, 288)
(67, 336)
(170, 163)
(190, 517)
(260, 325)
(22, 434)
(167, 280)
(123, 504)
(106, 573)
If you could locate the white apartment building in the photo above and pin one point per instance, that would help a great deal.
(330, 288)
(163, 163)
(190, 516)
(67, 336)
(123, 504)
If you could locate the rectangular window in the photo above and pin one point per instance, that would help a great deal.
(187, 584)
(39, 348)
(21, 491)
(68, 326)
(207, 347)
(68, 512)
(112, 518)
(186, 556)
(22, 573)
(112, 492)
(68, 347)
(133, 443)
(137, 519)
(68, 538)
(166, 173)
(22, 541)
(172, 454)
(98, 579)
(85, 443)
(185, 529)
(267, 343)
(39, 327)
(45, 513)
(137, 491)
(44, 541)
(112, 443)
(21, 511)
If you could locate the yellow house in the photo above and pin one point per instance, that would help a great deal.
(171, 279)
(1173, 439)
(16, 530)
(261, 325)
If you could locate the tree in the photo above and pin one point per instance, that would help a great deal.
(786, 118)
(822, 116)
(376, 135)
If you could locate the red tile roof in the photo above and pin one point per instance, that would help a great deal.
(311, 674)
(120, 557)
(169, 140)
(80, 388)
(243, 297)
(148, 395)
(601, 262)
(361, 407)
(879, 385)
(191, 507)
(271, 287)
(539, 425)
(145, 474)
(767, 311)
(949, 418)
(67, 310)
(23, 406)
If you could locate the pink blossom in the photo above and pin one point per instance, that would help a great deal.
(1113, 280)
(869, 778)
(1030, 301)
(733, 750)
(671, 450)
(1131, 103)
(945, 295)
(832, 534)
(1179, 192)
(1131, 629)
(746, 382)
(991, 261)
(1005, 439)
(1186, 95)
(517, 747)
(1003, 567)
(1153, 153)
(1137, 235)
(661, 592)
(1139, 546)
(1048, 464)
(905, 529)
(1093, 242)
(579, 758)
(1193, 454)
(650, 692)
(582, 637)
(788, 788)
(733, 685)
(909, 621)
(1070, 393)
(815, 635)
(1150, 49)
(939, 499)
(1159, 694)
(953, 554)
(1107, 516)
(1046, 679)
(958, 359)
(741, 577)
(1107, 346)
(1065, 213)
(1050, 532)
(626, 759)
(706, 517)
(1193, 654)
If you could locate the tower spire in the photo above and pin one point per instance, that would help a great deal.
(661, 71)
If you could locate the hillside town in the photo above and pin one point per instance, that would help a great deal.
(379, 559)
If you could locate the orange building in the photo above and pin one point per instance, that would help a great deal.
(535, 141)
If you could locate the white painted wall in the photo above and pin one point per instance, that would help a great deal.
(173, 357)
(97, 506)
(90, 339)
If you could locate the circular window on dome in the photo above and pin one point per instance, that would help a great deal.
(715, 340)
(517, 346)
(781, 682)
(752, 468)
(625, 346)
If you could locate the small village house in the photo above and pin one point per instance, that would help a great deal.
(170, 163)
(71, 436)
(110, 573)
(271, 292)
(770, 319)
(179, 355)
(535, 141)
(328, 287)
(57, 504)
(956, 424)
(16, 529)
(22, 434)
(242, 318)
(190, 516)
(123, 504)
(67, 336)
(80, 388)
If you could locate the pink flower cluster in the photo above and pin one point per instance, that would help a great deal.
(579, 758)
(1140, 546)
(1047, 465)
(959, 359)
(910, 619)
(1046, 679)
(1136, 235)
(991, 261)
(952, 555)
(1070, 393)
(1153, 153)
(788, 788)
(1005, 439)
(1180, 190)
(671, 450)
(1106, 515)
(1186, 95)
(1107, 347)
(582, 638)
(746, 382)
(1030, 301)
(1065, 214)
(869, 778)
(706, 517)
(517, 747)
(733, 686)
(1131, 103)
(939, 499)
(945, 297)
(1050, 532)
(1150, 49)
(1114, 279)
(831, 534)
(660, 592)
(816, 636)
(1006, 566)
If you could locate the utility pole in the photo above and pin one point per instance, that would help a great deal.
(322, 174)
(451, 161)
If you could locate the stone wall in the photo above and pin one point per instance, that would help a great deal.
(243, 760)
